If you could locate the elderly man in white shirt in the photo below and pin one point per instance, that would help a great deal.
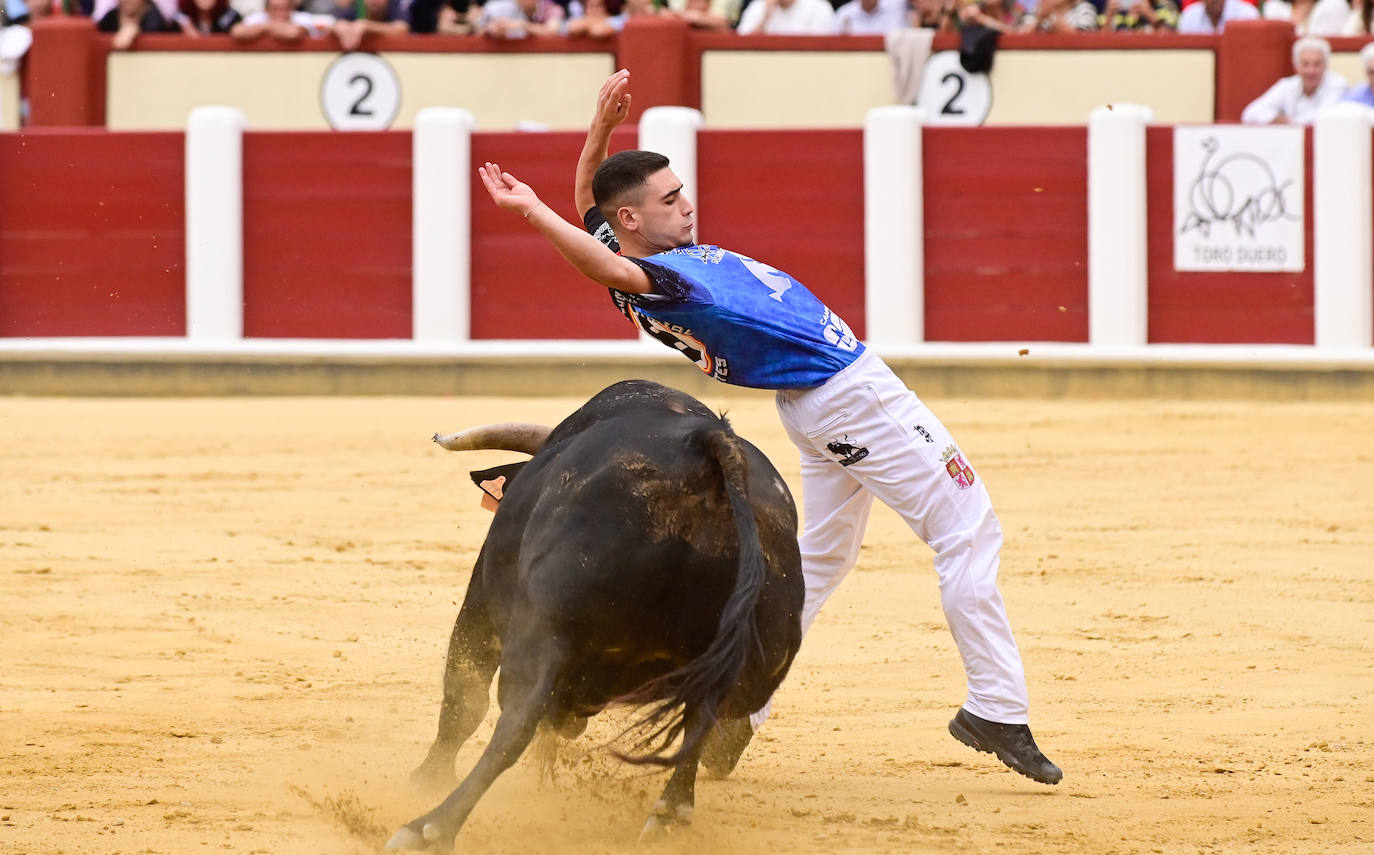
(1296, 99)
(788, 18)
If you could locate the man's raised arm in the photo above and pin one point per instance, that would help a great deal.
(612, 106)
(590, 256)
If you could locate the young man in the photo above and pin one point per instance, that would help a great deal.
(861, 432)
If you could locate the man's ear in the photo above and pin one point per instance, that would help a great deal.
(627, 219)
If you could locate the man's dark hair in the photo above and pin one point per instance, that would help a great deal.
(620, 174)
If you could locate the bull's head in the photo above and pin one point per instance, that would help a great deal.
(506, 437)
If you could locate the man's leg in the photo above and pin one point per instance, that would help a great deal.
(914, 466)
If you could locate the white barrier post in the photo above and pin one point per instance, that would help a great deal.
(1341, 226)
(214, 224)
(441, 225)
(1118, 297)
(894, 226)
(672, 132)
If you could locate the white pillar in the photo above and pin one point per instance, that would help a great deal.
(894, 226)
(441, 225)
(214, 224)
(1341, 228)
(672, 132)
(1118, 294)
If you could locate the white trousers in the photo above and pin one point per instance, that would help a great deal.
(863, 434)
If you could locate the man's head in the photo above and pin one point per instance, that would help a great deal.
(642, 200)
(1367, 60)
(1310, 57)
(1214, 8)
(280, 10)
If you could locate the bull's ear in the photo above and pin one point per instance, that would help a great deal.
(482, 477)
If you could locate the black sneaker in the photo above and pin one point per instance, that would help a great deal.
(724, 746)
(1012, 743)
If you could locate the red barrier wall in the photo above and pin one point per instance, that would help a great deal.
(1006, 241)
(326, 242)
(521, 287)
(92, 234)
(794, 200)
(1218, 308)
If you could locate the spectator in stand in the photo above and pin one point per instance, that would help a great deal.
(206, 17)
(597, 23)
(787, 18)
(516, 19)
(1061, 16)
(281, 20)
(1363, 94)
(1297, 98)
(129, 18)
(1358, 22)
(1140, 16)
(1000, 15)
(870, 17)
(1207, 17)
(449, 17)
(939, 15)
(706, 14)
(1309, 17)
(383, 17)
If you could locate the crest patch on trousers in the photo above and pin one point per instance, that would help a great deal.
(848, 452)
(960, 471)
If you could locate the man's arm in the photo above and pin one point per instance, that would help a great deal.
(584, 252)
(612, 106)
(1267, 108)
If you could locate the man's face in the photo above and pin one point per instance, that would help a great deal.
(1214, 7)
(1311, 67)
(279, 10)
(664, 215)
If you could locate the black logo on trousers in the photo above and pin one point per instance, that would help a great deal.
(848, 453)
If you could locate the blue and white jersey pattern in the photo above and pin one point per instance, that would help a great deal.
(740, 320)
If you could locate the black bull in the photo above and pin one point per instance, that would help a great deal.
(645, 555)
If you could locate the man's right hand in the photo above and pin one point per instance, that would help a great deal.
(507, 191)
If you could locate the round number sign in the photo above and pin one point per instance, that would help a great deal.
(360, 92)
(952, 96)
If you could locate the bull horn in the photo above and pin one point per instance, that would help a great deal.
(508, 437)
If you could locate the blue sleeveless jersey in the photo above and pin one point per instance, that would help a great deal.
(740, 320)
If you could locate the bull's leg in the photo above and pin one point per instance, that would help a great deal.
(676, 805)
(528, 702)
(473, 655)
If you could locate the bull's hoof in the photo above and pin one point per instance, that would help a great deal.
(663, 821)
(407, 840)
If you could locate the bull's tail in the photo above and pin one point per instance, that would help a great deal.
(703, 683)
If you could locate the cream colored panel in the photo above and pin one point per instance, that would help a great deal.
(156, 91)
(793, 89)
(557, 90)
(282, 91)
(1064, 87)
(1347, 65)
(9, 102)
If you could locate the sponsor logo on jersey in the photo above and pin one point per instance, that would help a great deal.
(848, 452)
(960, 471)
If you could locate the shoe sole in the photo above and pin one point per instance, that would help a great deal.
(966, 736)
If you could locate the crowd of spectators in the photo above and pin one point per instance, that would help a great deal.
(352, 20)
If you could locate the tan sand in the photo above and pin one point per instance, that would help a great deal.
(222, 624)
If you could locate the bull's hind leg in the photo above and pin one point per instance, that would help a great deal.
(676, 805)
(473, 654)
(524, 705)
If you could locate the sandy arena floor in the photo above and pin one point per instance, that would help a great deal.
(222, 625)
